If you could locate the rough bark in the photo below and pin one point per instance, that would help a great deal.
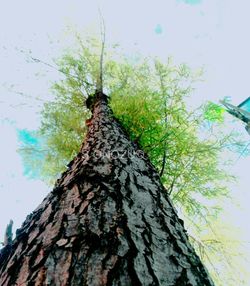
(108, 221)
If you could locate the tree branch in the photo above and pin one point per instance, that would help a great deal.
(99, 84)
(61, 71)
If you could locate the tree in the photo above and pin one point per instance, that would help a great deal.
(108, 221)
(134, 78)
(148, 97)
(150, 100)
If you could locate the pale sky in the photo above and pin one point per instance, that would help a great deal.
(213, 34)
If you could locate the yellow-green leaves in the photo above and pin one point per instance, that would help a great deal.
(214, 112)
(149, 98)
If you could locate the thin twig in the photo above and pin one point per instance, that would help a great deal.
(99, 84)
(60, 70)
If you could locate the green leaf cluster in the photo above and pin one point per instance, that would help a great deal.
(214, 112)
(149, 99)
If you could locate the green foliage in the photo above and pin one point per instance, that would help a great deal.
(148, 97)
(222, 252)
(151, 106)
(214, 112)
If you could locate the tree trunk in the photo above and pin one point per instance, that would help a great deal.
(108, 221)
